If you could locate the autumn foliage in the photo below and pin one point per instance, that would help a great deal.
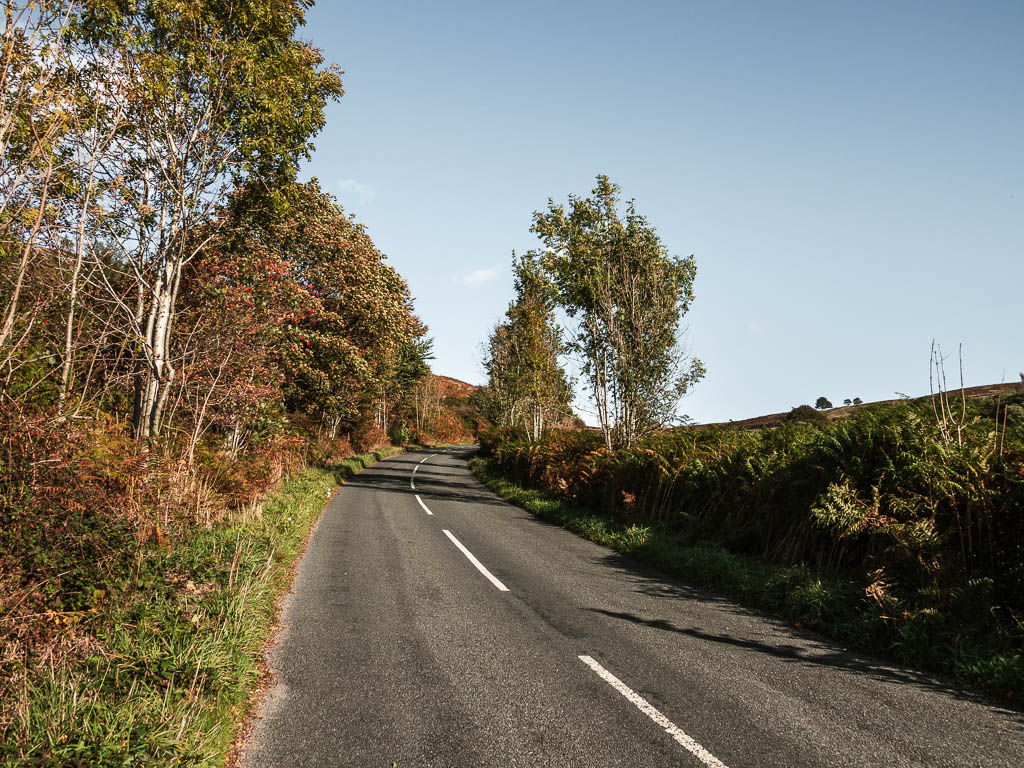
(182, 322)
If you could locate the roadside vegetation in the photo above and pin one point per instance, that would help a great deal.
(882, 529)
(193, 345)
(158, 666)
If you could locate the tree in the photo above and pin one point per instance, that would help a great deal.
(62, 112)
(504, 395)
(217, 93)
(857, 401)
(236, 304)
(847, 401)
(414, 383)
(822, 403)
(627, 296)
(35, 103)
(350, 345)
(426, 404)
(402, 370)
(358, 352)
(526, 383)
(539, 344)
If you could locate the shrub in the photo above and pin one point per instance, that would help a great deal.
(806, 413)
(400, 434)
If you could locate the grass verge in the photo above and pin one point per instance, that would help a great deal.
(167, 679)
(832, 606)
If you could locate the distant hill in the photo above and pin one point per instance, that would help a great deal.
(442, 412)
(454, 387)
(772, 419)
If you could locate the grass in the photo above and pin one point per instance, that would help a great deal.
(168, 680)
(828, 604)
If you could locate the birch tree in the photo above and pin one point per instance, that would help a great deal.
(527, 385)
(98, 118)
(218, 92)
(626, 297)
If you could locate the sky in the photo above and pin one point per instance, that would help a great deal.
(849, 177)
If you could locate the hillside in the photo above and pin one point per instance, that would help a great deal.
(774, 419)
(454, 387)
(442, 412)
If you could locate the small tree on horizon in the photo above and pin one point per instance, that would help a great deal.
(822, 403)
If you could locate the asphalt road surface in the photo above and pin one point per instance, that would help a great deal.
(432, 624)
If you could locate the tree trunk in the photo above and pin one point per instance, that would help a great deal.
(26, 253)
(76, 271)
(153, 383)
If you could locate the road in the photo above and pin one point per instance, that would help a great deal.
(432, 624)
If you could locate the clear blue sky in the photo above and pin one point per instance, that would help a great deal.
(848, 176)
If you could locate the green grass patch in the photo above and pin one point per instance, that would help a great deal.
(828, 604)
(166, 679)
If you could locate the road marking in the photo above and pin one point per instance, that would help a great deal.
(644, 706)
(412, 480)
(423, 505)
(479, 566)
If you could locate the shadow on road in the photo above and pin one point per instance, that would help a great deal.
(798, 645)
(810, 648)
(435, 481)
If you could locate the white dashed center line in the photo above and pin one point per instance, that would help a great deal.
(412, 480)
(423, 505)
(479, 566)
(644, 706)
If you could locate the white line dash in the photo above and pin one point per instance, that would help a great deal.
(423, 505)
(415, 468)
(412, 482)
(642, 704)
(477, 563)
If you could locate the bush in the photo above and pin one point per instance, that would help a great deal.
(808, 414)
(125, 571)
(400, 434)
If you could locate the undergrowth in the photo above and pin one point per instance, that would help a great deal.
(829, 602)
(158, 668)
